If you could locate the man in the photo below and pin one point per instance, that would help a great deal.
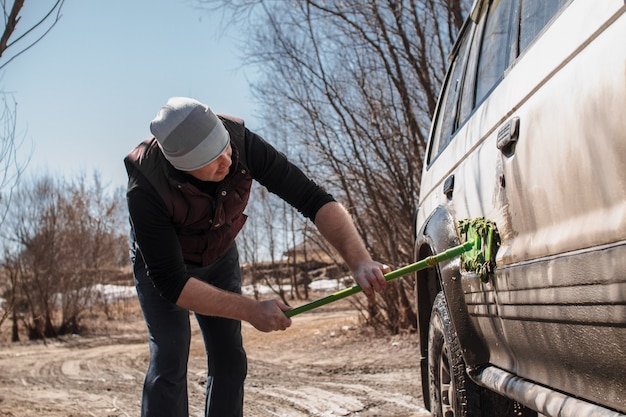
(188, 187)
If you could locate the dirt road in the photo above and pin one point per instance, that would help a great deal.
(322, 366)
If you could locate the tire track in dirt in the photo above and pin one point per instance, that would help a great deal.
(331, 399)
(73, 378)
(322, 366)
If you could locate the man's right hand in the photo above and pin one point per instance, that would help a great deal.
(271, 316)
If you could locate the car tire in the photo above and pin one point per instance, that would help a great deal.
(446, 369)
(452, 392)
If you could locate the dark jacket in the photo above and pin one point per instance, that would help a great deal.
(206, 224)
(178, 220)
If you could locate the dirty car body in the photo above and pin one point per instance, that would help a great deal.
(530, 133)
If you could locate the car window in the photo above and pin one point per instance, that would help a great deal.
(447, 111)
(535, 15)
(467, 104)
(496, 45)
(501, 34)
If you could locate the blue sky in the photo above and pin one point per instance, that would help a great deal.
(87, 92)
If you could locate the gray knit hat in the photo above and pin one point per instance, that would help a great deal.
(189, 134)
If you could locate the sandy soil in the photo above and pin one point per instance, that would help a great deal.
(324, 365)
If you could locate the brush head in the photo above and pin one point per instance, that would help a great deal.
(481, 258)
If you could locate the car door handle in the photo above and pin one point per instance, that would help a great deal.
(508, 136)
(448, 186)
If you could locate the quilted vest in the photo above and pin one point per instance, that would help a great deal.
(206, 225)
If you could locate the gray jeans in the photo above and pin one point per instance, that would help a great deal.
(165, 385)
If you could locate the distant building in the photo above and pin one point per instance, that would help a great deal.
(311, 250)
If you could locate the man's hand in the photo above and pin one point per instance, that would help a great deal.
(206, 299)
(271, 316)
(370, 275)
(335, 224)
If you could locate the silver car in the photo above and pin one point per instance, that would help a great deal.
(530, 132)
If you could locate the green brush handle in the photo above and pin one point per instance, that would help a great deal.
(390, 276)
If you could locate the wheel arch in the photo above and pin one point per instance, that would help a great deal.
(437, 234)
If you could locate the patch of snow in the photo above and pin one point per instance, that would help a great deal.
(327, 285)
(261, 289)
(112, 293)
(322, 285)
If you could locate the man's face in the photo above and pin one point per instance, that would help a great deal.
(217, 170)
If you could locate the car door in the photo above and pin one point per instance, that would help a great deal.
(529, 133)
(560, 289)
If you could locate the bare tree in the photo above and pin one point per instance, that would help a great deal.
(14, 41)
(11, 167)
(260, 243)
(273, 279)
(60, 240)
(355, 84)
(10, 277)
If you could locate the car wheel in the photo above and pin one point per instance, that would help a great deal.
(446, 369)
(452, 392)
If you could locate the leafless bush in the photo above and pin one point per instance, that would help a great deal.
(60, 240)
